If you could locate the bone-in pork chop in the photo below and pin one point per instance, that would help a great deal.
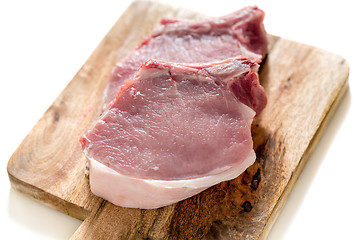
(173, 131)
(187, 41)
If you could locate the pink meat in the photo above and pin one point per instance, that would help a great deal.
(174, 130)
(238, 34)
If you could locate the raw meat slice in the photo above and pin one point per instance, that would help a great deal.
(240, 33)
(173, 131)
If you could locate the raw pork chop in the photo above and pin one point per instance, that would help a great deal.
(173, 131)
(240, 33)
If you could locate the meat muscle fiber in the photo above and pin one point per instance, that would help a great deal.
(187, 41)
(173, 131)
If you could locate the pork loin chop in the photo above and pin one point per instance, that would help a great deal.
(172, 131)
(187, 41)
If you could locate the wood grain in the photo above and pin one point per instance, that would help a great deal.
(304, 86)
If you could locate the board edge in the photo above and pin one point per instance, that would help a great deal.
(344, 88)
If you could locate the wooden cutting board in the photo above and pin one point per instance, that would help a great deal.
(304, 86)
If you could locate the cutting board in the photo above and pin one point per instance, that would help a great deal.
(304, 86)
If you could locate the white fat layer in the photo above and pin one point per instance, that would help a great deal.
(127, 191)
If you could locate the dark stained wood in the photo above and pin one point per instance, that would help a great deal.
(304, 86)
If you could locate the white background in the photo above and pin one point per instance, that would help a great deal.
(44, 43)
